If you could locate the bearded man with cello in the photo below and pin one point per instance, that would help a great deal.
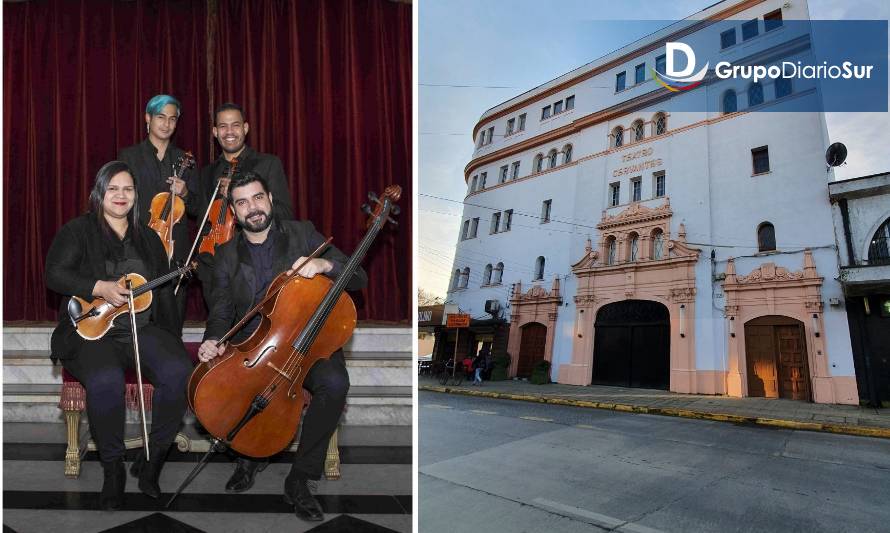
(243, 270)
(86, 259)
(152, 163)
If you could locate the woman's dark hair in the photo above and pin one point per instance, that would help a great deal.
(240, 180)
(97, 196)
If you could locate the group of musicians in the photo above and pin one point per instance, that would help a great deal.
(92, 252)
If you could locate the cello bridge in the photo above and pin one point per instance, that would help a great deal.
(275, 368)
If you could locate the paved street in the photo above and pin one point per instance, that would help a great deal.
(500, 465)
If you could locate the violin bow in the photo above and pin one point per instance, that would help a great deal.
(138, 367)
(269, 296)
(232, 164)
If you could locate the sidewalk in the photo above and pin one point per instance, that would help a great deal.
(791, 414)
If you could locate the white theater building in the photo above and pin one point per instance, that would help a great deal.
(631, 245)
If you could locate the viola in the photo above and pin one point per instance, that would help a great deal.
(222, 225)
(93, 319)
(250, 397)
(167, 208)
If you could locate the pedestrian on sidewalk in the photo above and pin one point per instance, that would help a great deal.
(479, 365)
(468, 366)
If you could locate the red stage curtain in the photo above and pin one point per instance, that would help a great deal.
(326, 86)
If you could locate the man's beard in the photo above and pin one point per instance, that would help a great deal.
(259, 226)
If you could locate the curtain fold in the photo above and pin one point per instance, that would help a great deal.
(326, 86)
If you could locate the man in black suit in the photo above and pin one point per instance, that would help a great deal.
(151, 162)
(230, 130)
(243, 269)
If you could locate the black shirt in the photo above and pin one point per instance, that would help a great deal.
(261, 257)
(122, 258)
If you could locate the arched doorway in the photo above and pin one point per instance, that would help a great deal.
(776, 358)
(531, 348)
(632, 345)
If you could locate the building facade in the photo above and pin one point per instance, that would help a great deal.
(861, 210)
(629, 241)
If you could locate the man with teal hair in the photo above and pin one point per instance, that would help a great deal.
(151, 162)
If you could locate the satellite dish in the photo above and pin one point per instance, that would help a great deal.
(836, 155)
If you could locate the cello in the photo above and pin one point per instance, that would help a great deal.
(167, 208)
(250, 397)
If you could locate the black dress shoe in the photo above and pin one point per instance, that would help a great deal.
(306, 507)
(112, 497)
(148, 472)
(243, 477)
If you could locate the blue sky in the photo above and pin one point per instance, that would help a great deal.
(501, 48)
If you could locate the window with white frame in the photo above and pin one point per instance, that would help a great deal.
(634, 253)
(611, 250)
(570, 102)
(474, 227)
(660, 124)
(539, 162)
(545, 112)
(495, 223)
(483, 177)
(659, 185)
(657, 244)
(465, 278)
(636, 189)
(567, 154)
(514, 172)
(617, 136)
(503, 175)
(551, 159)
(465, 233)
(455, 280)
(522, 122)
(486, 275)
(510, 125)
(639, 130)
(498, 274)
(614, 194)
(475, 183)
(507, 220)
(545, 211)
(539, 268)
(640, 73)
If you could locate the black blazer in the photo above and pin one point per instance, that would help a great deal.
(143, 162)
(266, 165)
(76, 261)
(234, 280)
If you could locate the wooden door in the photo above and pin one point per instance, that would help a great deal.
(760, 354)
(793, 369)
(531, 348)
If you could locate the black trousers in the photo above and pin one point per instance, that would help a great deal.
(100, 366)
(328, 382)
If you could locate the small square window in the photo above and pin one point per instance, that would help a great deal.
(570, 102)
(760, 159)
(661, 63)
(772, 20)
(614, 194)
(749, 30)
(557, 108)
(522, 122)
(640, 73)
(545, 113)
(727, 38)
(619, 81)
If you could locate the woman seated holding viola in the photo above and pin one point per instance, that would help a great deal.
(86, 258)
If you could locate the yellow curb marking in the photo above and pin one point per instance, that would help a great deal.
(842, 429)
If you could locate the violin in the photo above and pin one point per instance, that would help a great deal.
(250, 397)
(93, 319)
(167, 208)
(222, 226)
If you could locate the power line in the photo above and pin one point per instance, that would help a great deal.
(452, 86)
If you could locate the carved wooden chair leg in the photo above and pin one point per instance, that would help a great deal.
(72, 454)
(332, 460)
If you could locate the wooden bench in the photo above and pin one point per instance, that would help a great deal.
(73, 402)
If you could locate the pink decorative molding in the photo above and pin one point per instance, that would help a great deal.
(536, 305)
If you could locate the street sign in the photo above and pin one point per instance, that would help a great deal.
(458, 321)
